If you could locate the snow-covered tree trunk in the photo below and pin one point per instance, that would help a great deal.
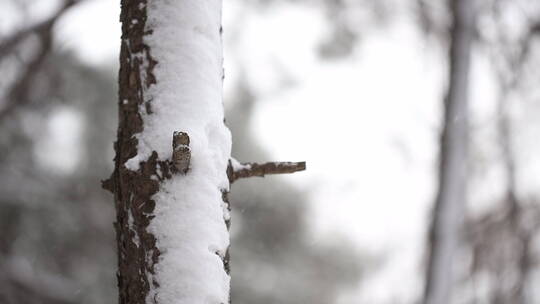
(172, 214)
(449, 209)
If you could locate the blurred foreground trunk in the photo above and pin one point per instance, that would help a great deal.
(447, 222)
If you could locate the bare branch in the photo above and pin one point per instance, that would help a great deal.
(18, 93)
(9, 44)
(238, 170)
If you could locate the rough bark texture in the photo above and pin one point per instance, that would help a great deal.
(448, 215)
(133, 190)
(137, 252)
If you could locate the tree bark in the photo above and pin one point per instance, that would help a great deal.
(133, 190)
(448, 215)
(135, 186)
(172, 166)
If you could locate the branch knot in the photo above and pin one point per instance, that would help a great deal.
(181, 155)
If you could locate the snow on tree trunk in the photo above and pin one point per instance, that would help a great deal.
(171, 225)
(449, 209)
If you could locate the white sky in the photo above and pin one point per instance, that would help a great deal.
(93, 30)
(59, 149)
(367, 125)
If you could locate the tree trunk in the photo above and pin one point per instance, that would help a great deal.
(450, 203)
(172, 222)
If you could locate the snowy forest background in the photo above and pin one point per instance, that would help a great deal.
(355, 87)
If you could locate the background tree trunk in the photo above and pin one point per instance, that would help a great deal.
(450, 204)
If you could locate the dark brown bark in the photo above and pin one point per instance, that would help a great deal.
(133, 190)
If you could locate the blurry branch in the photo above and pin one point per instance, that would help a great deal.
(235, 170)
(502, 243)
(513, 213)
(238, 170)
(514, 226)
(18, 93)
(432, 20)
(424, 16)
(511, 59)
(502, 239)
(532, 33)
(522, 234)
(42, 28)
(510, 54)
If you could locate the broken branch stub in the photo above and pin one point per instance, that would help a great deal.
(181, 155)
(244, 170)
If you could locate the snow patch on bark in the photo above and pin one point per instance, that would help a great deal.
(189, 214)
(237, 166)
